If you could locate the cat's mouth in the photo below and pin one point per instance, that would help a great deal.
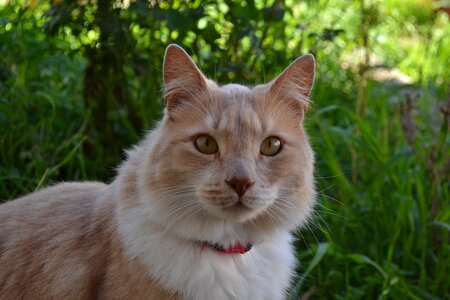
(239, 206)
(238, 211)
(234, 207)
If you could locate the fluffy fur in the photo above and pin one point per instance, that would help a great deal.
(140, 236)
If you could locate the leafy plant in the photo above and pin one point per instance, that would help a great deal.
(80, 80)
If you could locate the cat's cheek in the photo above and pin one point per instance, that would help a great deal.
(303, 200)
(275, 169)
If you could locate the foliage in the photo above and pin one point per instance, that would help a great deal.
(80, 80)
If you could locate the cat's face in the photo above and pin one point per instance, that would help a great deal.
(231, 153)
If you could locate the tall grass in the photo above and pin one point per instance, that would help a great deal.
(380, 235)
(381, 229)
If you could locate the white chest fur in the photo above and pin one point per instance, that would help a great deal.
(181, 266)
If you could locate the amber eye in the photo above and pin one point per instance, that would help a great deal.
(206, 144)
(271, 146)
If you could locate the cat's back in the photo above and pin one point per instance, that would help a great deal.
(61, 204)
(38, 235)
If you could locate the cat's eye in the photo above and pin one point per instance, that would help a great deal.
(271, 146)
(206, 144)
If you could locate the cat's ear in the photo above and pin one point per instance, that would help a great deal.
(182, 78)
(295, 83)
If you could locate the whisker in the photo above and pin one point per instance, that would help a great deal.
(326, 189)
(329, 177)
(316, 215)
(330, 198)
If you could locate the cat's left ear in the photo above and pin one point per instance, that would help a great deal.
(182, 79)
(295, 83)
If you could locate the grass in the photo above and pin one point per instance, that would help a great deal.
(381, 229)
(380, 233)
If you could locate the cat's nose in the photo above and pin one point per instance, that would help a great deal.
(240, 185)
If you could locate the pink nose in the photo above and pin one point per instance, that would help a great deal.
(240, 185)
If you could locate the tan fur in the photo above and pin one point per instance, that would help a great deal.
(61, 243)
(89, 240)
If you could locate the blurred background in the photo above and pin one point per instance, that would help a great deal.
(81, 80)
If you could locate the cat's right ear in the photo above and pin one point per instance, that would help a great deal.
(295, 83)
(182, 78)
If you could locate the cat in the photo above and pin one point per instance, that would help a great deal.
(202, 208)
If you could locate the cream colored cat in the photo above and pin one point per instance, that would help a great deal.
(202, 209)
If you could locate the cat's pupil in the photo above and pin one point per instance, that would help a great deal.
(206, 144)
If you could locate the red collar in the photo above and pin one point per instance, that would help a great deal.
(235, 249)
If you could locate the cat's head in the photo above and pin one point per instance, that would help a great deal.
(231, 154)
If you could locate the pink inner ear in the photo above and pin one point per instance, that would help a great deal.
(295, 83)
(178, 66)
(182, 78)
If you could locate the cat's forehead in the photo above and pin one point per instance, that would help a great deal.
(235, 113)
(238, 112)
(234, 90)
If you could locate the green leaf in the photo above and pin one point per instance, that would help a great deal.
(178, 20)
(210, 33)
(441, 224)
(362, 259)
